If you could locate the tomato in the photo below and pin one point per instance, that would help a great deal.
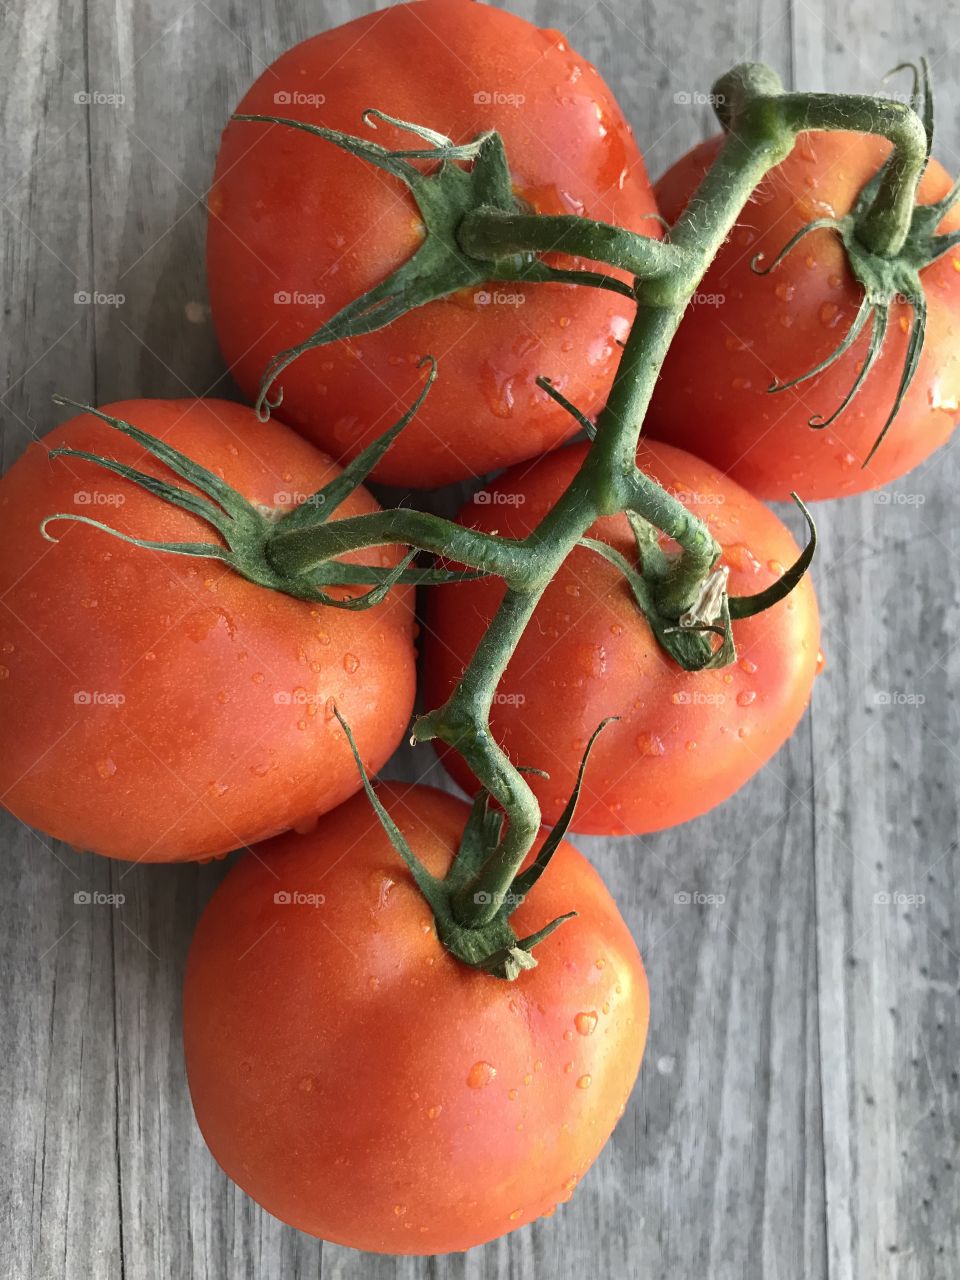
(363, 1085)
(684, 741)
(745, 329)
(298, 229)
(166, 708)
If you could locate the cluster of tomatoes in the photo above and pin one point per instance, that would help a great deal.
(165, 708)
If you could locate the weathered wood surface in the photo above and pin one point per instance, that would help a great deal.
(798, 1112)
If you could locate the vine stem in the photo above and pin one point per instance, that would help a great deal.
(762, 123)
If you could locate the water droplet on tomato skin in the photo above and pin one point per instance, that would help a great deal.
(351, 663)
(4, 673)
(306, 1084)
(585, 1082)
(746, 697)
(515, 1215)
(649, 744)
(821, 662)
(106, 768)
(480, 1075)
(433, 1112)
(586, 1023)
(747, 666)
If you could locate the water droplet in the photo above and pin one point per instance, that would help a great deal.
(515, 1215)
(785, 291)
(748, 666)
(399, 1210)
(89, 602)
(106, 768)
(586, 1023)
(821, 661)
(585, 1082)
(217, 789)
(306, 1084)
(538, 1065)
(433, 1112)
(745, 697)
(600, 962)
(260, 770)
(480, 1075)
(6, 647)
(350, 663)
(513, 1095)
(257, 677)
(4, 673)
(649, 744)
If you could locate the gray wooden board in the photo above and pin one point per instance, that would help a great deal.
(798, 1110)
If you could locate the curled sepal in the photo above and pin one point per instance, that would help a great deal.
(747, 606)
(321, 505)
(525, 880)
(429, 885)
(580, 418)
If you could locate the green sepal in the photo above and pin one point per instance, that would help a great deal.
(493, 946)
(440, 266)
(246, 533)
(885, 280)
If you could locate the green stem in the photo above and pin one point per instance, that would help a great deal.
(884, 227)
(491, 234)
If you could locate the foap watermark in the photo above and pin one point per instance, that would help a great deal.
(98, 98)
(498, 498)
(98, 698)
(294, 498)
(694, 898)
(700, 299)
(96, 298)
(484, 899)
(498, 98)
(690, 499)
(897, 898)
(699, 698)
(94, 898)
(498, 298)
(899, 498)
(298, 298)
(298, 98)
(298, 698)
(509, 699)
(898, 698)
(297, 898)
(694, 98)
(98, 498)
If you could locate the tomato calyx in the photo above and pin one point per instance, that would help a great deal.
(701, 637)
(887, 278)
(444, 194)
(473, 903)
(248, 533)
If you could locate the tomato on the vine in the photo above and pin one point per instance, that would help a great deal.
(299, 228)
(684, 741)
(365, 1086)
(163, 708)
(744, 330)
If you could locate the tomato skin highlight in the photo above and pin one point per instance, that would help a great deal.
(685, 741)
(292, 215)
(165, 708)
(366, 1087)
(711, 397)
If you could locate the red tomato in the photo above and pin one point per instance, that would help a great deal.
(299, 228)
(363, 1085)
(685, 741)
(166, 708)
(712, 396)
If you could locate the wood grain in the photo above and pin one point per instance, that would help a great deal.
(799, 1108)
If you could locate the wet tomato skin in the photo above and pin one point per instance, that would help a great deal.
(711, 397)
(684, 741)
(166, 708)
(295, 218)
(366, 1087)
